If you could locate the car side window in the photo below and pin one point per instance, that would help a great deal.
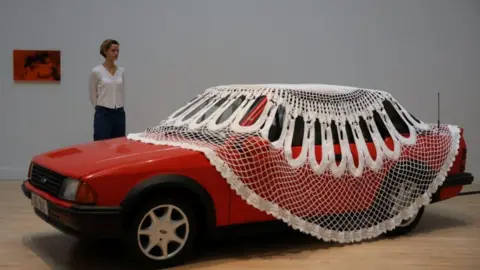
(336, 135)
(395, 117)
(298, 131)
(350, 133)
(365, 131)
(212, 109)
(197, 109)
(277, 124)
(348, 129)
(230, 110)
(254, 111)
(398, 122)
(382, 128)
(318, 132)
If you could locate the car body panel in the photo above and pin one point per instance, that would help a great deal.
(113, 167)
(241, 212)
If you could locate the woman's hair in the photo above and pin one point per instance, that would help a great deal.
(106, 44)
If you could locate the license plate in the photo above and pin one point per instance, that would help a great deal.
(40, 203)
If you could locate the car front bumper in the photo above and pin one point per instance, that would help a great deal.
(78, 220)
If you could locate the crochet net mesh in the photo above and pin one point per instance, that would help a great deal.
(340, 163)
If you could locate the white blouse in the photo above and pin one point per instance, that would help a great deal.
(107, 90)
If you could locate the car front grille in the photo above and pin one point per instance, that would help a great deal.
(46, 179)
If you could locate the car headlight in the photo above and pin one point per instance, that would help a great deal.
(77, 191)
(69, 189)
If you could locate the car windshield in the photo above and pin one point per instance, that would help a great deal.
(217, 137)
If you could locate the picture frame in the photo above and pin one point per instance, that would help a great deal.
(37, 65)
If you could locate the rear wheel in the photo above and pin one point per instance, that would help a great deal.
(407, 225)
(399, 190)
(405, 189)
(163, 232)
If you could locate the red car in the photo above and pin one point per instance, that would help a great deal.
(119, 187)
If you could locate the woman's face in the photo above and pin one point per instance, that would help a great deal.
(112, 52)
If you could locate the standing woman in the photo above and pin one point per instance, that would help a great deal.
(107, 94)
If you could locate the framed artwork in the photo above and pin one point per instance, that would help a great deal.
(36, 65)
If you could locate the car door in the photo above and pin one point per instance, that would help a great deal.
(240, 211)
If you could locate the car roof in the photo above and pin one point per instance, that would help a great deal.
(312, 88)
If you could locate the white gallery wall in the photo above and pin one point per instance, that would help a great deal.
(173, 49)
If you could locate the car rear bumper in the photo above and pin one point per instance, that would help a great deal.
(463, 178)
(79, 220)
(452, 186)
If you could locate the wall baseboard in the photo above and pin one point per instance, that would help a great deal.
(11, 173)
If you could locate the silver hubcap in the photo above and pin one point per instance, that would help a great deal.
(163, 232)
(407, 222)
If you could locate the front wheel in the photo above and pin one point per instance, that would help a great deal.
(163, 232)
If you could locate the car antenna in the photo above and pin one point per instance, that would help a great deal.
(438, 111)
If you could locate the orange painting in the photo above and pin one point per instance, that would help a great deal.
(36, 65)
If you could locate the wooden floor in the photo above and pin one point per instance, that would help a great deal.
(447, 238)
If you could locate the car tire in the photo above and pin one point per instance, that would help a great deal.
(162, 234)
(407, 225)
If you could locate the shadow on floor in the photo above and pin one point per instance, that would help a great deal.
(60, 251)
